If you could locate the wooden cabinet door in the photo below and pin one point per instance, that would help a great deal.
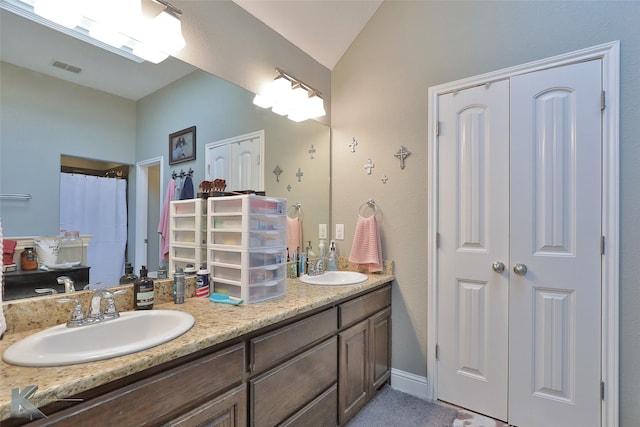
(380, 348)
(228, 410)
(354, 370)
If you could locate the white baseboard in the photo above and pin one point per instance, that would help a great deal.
(409, 383)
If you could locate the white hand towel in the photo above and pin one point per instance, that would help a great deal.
(367, 248)
(3, 323)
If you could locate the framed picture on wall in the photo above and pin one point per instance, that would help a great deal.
(182, 146)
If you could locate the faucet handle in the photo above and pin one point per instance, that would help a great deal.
(50, 291)
(77, 316)
(110, 310)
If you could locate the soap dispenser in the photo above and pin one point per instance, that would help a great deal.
(129, 276)
(332, 264)
(143, 291)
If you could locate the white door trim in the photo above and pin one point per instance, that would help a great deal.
(609, 53)
(142, 191)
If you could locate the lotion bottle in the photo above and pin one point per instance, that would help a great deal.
(143, 291)
(322, 249)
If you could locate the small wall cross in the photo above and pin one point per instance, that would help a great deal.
(277, 171)
(368, 166)
(312, 151)
(353, 144)
(299, 174)
(402, 154)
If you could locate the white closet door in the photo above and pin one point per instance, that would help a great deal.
(473, 214)
(219, 163)
(519, 182)
(247, 171)
(555, 205)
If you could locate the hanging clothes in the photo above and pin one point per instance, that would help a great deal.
(163, 226)
(177, 191)
(187, 189)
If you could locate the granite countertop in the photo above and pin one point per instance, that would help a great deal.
(214, 324)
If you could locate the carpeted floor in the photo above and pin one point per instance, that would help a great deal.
(394, 408)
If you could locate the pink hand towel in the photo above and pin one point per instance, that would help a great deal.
(367, 249)
(294, 234)
(163, 225)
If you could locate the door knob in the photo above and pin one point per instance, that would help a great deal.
(520, 269)
(498, 266)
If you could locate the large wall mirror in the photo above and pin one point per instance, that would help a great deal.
(113, 111)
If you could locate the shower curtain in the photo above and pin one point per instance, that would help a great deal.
(97, 206)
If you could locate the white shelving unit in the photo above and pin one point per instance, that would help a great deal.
(188, 234)
(246, 246)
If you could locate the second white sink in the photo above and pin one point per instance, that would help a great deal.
(335, 278)
(133, 331)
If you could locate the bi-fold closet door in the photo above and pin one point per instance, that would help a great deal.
(519, 257)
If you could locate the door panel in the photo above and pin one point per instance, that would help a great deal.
(473, 226)
(555, 205)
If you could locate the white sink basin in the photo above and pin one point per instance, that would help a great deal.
(133, 331)
(335, 278)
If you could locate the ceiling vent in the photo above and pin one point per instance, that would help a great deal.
(67, 67)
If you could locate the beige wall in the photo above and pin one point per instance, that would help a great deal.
(379, 96)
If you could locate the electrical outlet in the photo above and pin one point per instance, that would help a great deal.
(339, 231)
(322, 231)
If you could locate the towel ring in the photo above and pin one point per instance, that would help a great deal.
(298, 209)
(369, 203)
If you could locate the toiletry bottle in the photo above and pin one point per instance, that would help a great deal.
(129, 275)
(143, 291)
(321, 249)
(332, 264)
(28, 259)
(178, 286)
(202, 282)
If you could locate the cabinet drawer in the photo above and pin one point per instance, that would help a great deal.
(154, 399)
(283, 391)
(230, 409)
(364, 306)
(320, 412)
(270, 348)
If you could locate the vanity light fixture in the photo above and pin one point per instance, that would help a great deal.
(119, 26)
(288, 96)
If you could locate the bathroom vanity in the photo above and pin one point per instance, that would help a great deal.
(314, 357)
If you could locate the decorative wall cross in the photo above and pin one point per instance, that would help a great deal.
(384, 179)
(368, 166)
(402, 154)
(312, 151)
(289, 187)
(353, 145)
(299, 174)
(277, 171)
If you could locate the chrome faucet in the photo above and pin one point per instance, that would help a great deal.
(62, 280)
(316, 266)
(110, 311)
(68, 284)
(94, 315)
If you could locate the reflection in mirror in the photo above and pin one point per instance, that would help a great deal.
(46, 114)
